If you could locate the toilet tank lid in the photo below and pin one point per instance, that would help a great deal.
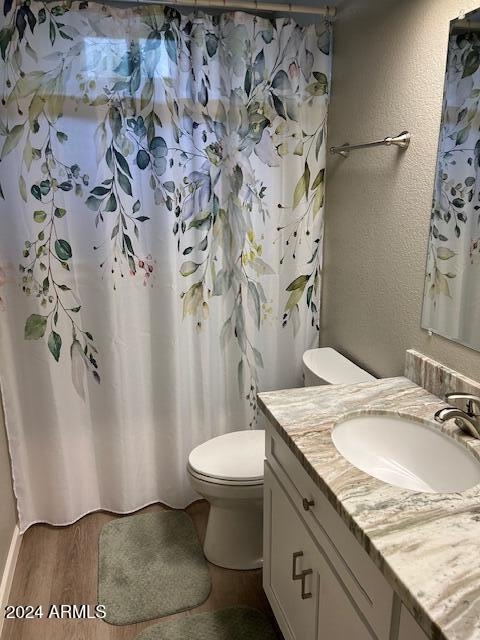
(331, 366)
(234, 456)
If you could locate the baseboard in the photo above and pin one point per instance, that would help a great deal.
(7, 578)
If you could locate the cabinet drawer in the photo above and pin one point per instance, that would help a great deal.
(367, 586)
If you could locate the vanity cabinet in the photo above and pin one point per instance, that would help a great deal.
(320, 582)
(304, 589)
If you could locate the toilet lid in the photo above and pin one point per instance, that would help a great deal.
(329, 365)
(234, 456)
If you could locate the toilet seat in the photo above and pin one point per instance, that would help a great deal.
(220, 481)
(235, 459)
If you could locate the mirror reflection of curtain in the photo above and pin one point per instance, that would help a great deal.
(160, 240)
(452, 286)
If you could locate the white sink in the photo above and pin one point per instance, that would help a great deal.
(406, 453)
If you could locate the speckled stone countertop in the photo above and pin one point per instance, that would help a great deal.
(427, 545)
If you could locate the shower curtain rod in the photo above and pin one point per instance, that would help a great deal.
(249, 5)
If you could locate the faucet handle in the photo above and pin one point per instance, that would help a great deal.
(466, 402)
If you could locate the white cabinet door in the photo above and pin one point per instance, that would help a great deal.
(288, 552)
(338, 618)
(309, 601)
(409, 628)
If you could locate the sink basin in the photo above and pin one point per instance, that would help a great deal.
(406, 453)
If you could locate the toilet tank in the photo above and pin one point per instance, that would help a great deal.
(327, 366)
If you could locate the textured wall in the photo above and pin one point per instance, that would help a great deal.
(389, 60)
(8, 512)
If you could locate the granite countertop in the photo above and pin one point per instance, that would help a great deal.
(425, 544)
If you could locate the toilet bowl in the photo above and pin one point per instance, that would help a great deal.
(228, 472)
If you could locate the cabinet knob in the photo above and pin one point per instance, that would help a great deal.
(307, 504)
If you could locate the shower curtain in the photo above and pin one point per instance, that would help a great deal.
(451, 298)
(162, 193)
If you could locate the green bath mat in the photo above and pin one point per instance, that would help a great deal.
(233, 623)
(150, 565)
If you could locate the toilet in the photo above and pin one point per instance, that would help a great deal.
(327, 366)
(228, 472)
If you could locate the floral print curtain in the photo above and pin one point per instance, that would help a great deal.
(452, 295)
(162, 194)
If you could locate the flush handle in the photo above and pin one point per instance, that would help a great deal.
(307, 504)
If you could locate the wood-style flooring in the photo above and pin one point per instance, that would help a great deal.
(59, 565)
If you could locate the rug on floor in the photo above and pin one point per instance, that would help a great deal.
(232, 623)
(150, 565)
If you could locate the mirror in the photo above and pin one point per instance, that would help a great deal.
(451, 305)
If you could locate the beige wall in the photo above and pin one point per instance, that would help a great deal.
(389, 60)
(8, 512)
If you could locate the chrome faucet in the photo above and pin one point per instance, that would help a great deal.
(467, 415)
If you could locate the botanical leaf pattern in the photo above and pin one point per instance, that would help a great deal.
(454, 230)
(191, 112)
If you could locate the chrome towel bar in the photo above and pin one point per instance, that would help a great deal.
(402, 141)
